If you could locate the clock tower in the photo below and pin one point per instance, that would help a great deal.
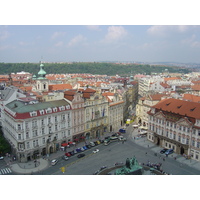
(42, 83)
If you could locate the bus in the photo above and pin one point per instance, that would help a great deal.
(110, 139)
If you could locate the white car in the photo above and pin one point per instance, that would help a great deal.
(1, 157)
(54, 162)
(121, 138)
(96, 151)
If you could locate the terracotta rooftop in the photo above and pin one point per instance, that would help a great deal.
(191, 97)
(181, 107)
(60, 87)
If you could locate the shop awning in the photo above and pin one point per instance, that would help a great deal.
(64, 144)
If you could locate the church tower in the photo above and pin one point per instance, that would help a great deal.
(42, 83)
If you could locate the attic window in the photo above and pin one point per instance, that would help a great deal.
(167, 104)
(33, 114)
(192, 109)
(55, 109)
(48, 110)
(41, 112)
(67, 107)
(179, 106)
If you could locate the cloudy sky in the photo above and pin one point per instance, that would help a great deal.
(60, 43)
(115, 39)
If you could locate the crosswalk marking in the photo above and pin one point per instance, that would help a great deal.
(5, 171)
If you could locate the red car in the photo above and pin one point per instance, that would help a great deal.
(68, 154)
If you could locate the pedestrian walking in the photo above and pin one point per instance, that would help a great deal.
(146, 153)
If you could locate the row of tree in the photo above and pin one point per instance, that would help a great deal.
(92, 68)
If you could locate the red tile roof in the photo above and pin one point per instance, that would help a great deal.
(191, 97)
(59, 87)
(176, 106)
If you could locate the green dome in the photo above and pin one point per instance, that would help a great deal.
(41, 73)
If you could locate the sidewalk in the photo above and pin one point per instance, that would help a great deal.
(179, 158)
(31, 167)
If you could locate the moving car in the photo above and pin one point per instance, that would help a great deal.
(54, 162)
(81, 155)
(1, 157)
(169, 151)
(122, 130)
(96, 151)
(163, 151)
(65, 158)
(121, 138)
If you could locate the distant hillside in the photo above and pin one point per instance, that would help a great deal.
(93, 68)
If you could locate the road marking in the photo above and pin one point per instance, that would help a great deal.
(5, 171)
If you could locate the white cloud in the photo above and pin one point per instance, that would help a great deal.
(76, 40)
(115, 33)
(191, 41)
(93, 27)
(59, 44)
(165, 30)
(57, 34)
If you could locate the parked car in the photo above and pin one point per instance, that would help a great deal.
(68, 154)
(88, 146)
(80, 155)
(75, 152)
(102, 141)
(169, 151)
(1, 157)
(163, 151)
(96, 151)
(92, 144)
(85, 148)
(96, 143)
(107, 137)
(78, 150)
(71, 153)
(65, 158)
(54, 162)
(82, 149)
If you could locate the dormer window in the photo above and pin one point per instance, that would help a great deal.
(48, 110)
(33, 114)
(55, 109)
(41, 112)
(67, 107)
(62, 108)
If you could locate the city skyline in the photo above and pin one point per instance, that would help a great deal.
(97, 43)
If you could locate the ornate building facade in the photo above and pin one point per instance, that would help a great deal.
(175, 124)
